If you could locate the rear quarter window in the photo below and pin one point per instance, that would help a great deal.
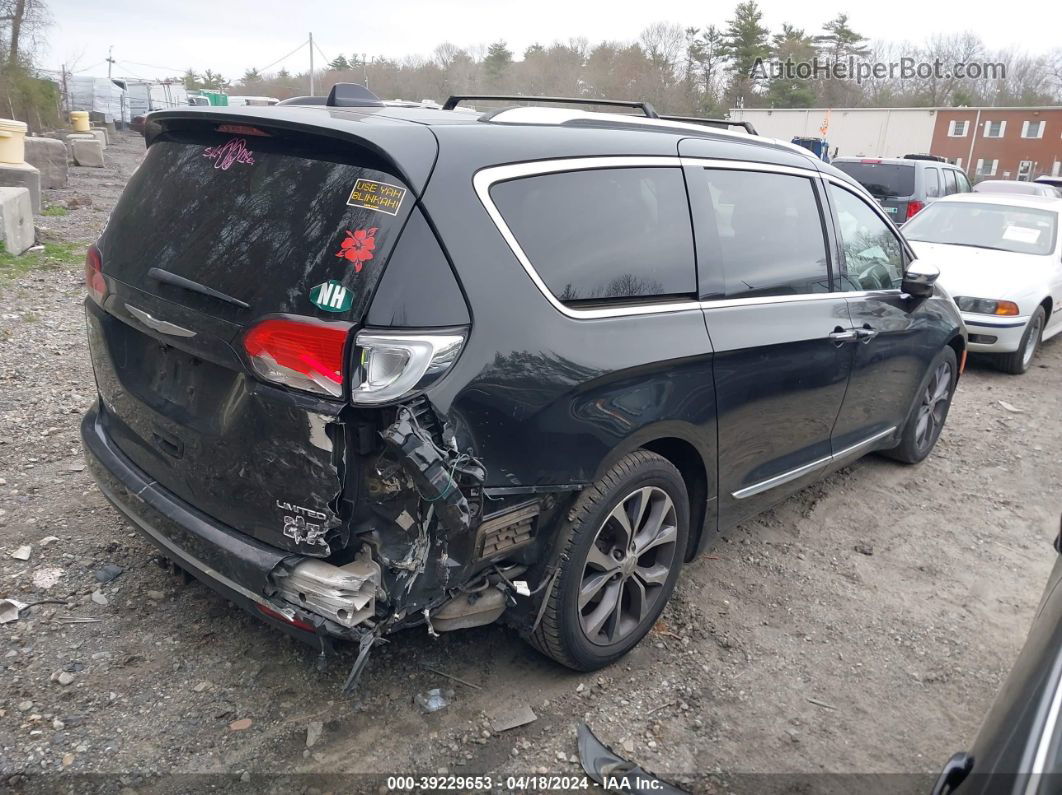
(616, 234)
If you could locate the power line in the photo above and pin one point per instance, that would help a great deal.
(125, 64)
(153, 66)
(79, 71)
(323, 56)
(278, 60)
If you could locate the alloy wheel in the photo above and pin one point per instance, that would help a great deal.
(627, 565)
(934, 406)
(1035, 327)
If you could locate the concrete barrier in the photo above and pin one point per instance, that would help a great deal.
(101, 135)
(48, 156)
(87, 153)
(16, 220)
(23, 175)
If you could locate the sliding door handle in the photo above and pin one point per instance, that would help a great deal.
(840, 335)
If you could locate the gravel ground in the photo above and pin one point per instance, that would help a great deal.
(864, 625)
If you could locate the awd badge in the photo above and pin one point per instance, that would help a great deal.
(331, 296)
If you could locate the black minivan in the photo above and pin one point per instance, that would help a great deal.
(365, 367)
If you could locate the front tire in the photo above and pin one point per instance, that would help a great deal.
(624, 544)
(927, 417)
(1020, 360)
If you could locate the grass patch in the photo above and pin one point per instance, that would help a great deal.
(55, 211)
(53, 256)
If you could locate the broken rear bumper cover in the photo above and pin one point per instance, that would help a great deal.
(233, 564)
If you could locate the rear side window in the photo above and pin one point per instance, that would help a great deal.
(963, 182)
(932, 183)
(604, 234)
(765, 233)
(882, 180)
(950, 185)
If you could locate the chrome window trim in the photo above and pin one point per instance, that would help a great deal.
(806, 469)
(1047, 735)
(486, 178)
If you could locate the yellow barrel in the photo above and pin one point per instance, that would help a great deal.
(12, 141)
(79, 120)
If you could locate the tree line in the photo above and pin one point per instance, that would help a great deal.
(23, 95)
(689, 70)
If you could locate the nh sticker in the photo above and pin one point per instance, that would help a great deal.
(331, 296)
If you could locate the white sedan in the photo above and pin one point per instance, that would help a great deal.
(1000, 256)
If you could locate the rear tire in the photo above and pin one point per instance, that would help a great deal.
(930, 411)
(623, 547)
(1020, 360)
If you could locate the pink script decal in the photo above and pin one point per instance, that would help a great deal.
(232, 151)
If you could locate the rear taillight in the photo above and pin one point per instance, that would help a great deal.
(296, 622)
(913, 208)
(94, 281)
(304, 354)
(394, 364)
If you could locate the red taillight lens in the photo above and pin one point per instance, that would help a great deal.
(302, 354)
(298, 623)
(913, 208)
(94, 281)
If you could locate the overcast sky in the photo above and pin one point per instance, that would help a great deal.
(229, 36)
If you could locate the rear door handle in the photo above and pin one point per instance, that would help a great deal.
(840, 335)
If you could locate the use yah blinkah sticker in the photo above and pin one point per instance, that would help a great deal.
(331, 296)
(232, 151)
(380, 196)
(358, 247)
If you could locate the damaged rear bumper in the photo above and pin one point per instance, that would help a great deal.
(233, 564)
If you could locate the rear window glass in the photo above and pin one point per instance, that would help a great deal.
(604, 234)
(285, 226)
(883, 180)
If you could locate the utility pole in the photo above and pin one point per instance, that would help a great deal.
(66, 91)
(365, 69)
(311, 63)
(110, 60)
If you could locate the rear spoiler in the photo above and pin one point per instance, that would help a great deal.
(409, 149)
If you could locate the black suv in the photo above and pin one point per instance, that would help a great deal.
(366, 367)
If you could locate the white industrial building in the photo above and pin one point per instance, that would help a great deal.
(873, 132)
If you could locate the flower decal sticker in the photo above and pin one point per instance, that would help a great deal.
(358, 247)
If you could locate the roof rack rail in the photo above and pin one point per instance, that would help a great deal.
(644, 107)
(724, 123)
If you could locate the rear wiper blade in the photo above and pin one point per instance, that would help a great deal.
(179, 281)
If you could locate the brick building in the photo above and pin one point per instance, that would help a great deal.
(1000, 143)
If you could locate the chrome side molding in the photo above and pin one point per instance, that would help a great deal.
(807, 469)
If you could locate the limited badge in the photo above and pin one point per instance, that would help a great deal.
(331, 296)
(380, 196)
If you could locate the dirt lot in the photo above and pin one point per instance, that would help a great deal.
(862, 626)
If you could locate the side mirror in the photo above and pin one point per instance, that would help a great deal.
(919, 278)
